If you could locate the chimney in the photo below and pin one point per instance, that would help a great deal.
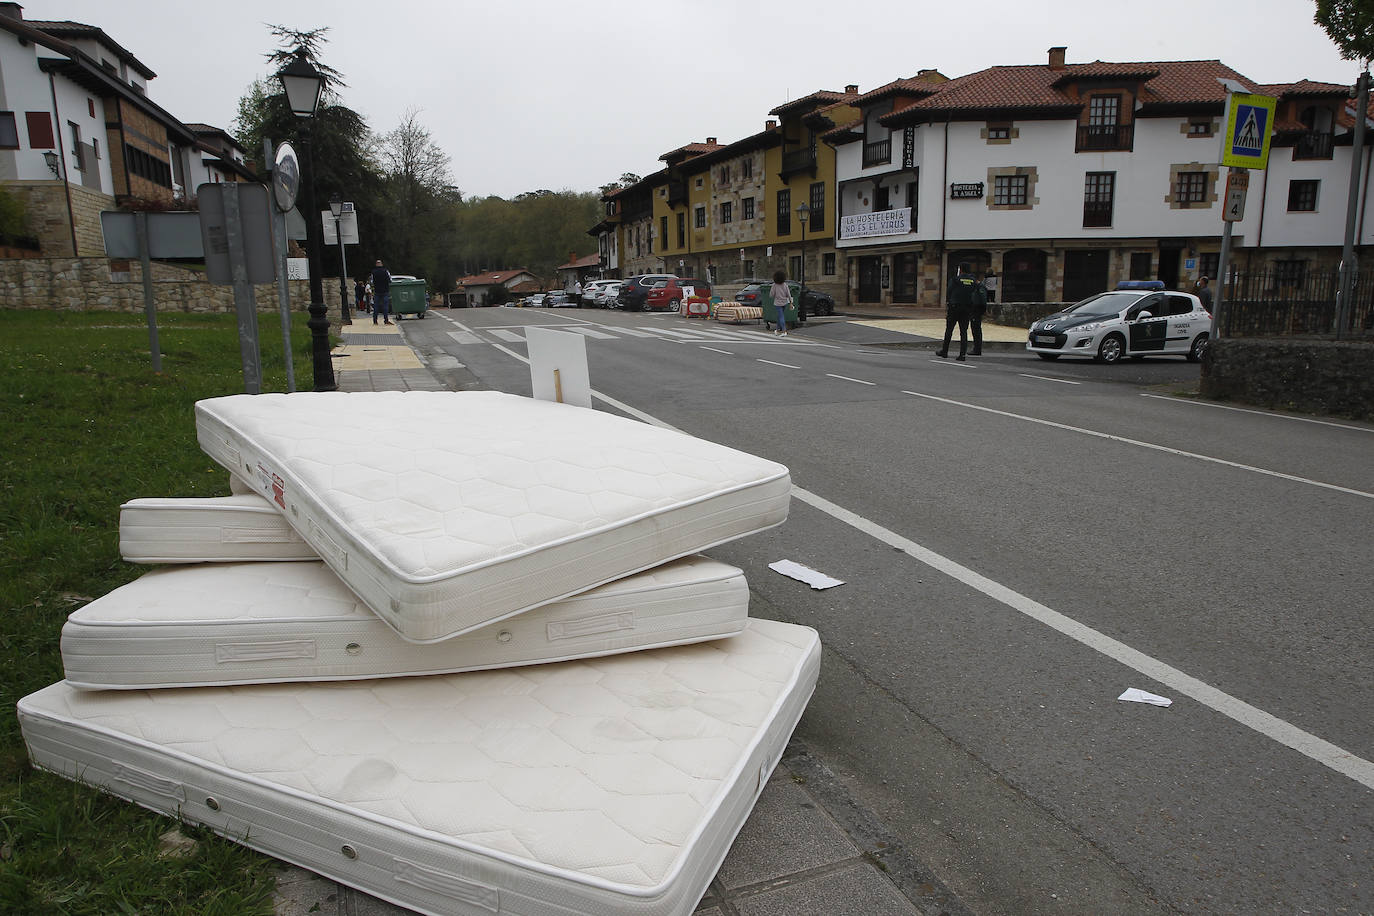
(710, 141)
(769, 124)
(851, 89)
(12, 10)
(1057, 58)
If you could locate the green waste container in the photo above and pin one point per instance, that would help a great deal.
(409, 297)
(770, 312)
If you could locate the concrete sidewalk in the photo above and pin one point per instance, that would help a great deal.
(806, 848)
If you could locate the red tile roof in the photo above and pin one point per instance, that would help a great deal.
(690, 150)
(1037, 87)
(807, 102)
(1303, 88)
(919, 86)
(491, 277)
(591, 260)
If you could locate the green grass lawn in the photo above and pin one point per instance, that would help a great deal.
(85, 425)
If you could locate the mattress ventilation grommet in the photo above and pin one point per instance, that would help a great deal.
(349, 852)
(504, 636)
(353, 649)
(212, 804)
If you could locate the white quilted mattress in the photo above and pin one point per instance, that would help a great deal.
(241, 623)
(221, 529)
(611, 786)
(445, 511)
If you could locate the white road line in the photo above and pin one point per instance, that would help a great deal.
(1261, 413)
(465, 337)
(510, 336)
(771, 363)
(631, 332)
(1270, 726)
(714, 350)
(1150, 445)
(1266, 724)
(690, 335)
(1046, 378)
(592, 333)
(954, 363)
(848, 379)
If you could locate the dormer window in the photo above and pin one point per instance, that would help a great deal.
(1315, 141)
(1200, 128)
(1104, 131)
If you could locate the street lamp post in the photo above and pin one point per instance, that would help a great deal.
(803, 214)
(302, 84)
(336, 207)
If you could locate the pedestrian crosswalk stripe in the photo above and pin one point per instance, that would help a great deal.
(636, 332)
(465, 337)
(510, 336)
(594, 334)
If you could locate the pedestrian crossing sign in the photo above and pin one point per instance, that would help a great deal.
(1249, 125)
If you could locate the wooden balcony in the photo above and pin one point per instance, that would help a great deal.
(879, 153)
(1313, 145)
(1105, 138)
(798, 160)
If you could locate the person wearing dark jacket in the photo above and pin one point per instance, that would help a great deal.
(381, 293)
(963, 296)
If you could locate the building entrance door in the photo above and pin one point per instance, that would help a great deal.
(1085, 274)
(870, 279)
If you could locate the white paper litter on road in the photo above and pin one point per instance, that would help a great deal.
(1135, 695)
(805, 574)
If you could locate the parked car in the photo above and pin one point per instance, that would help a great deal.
(591, 292)
(559, 301)
(534, 301)
(606, 297)
(1130, 321)
(816, 302)
(671, 293)
(635, 290)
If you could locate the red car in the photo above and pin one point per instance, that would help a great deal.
(671, 293)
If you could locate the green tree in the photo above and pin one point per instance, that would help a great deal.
(1350, 23)
(419, 202)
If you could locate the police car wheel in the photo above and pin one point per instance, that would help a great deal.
(1196, 350)
(1112, 348)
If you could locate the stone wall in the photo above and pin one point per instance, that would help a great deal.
(100, 284)
(1020, 314)
(1331, 377)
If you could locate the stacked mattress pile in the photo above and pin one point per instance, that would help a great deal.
(458, 650)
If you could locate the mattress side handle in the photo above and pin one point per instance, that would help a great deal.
(144, 781)
(462, 889)
(591, 626)
(282, 535)
(264, 651)
(327, 546)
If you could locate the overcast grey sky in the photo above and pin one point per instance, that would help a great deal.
(531, 94)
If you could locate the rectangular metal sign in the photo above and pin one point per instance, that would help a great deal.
(254, 225)
(1249, 127)
(968, 190)
(347, 223)
(170, 235)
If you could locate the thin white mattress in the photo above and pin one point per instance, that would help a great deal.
(446, 511)
(612, 785)
(243, 623)
(219, 529)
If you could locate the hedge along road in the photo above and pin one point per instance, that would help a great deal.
(1018, 551)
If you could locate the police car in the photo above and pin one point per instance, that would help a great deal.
(1138, 318)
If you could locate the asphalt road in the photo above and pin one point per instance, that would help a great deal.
(1021, 542)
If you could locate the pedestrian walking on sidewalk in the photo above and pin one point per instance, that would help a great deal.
(1204, 294)
(782, 298)
(381, 293)
(963, 295)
